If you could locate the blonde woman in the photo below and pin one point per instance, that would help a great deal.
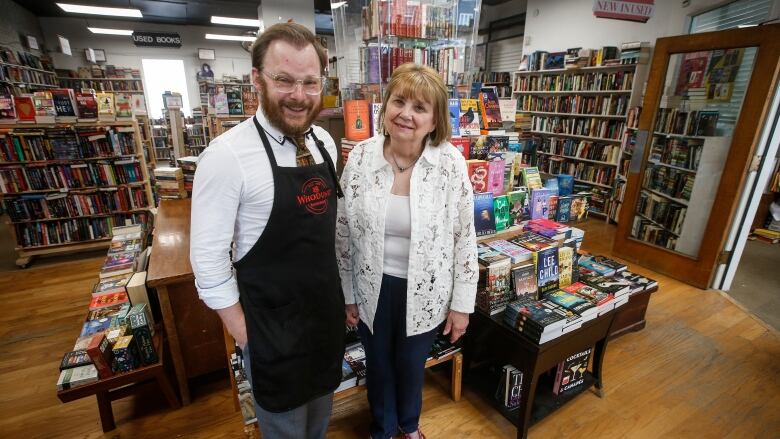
(406, 245)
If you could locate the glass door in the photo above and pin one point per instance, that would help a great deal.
(705, 98)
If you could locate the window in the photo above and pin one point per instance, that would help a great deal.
(161, 75)
(734, 14)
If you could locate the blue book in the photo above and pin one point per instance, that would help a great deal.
(454, 105)
(565, 184)
(540, 203)
(484, 219)
(546, 263)
(563, 214)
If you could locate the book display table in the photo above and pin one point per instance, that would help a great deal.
(124, 384)
(492, 339)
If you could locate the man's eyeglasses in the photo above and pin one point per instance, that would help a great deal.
(311, 85)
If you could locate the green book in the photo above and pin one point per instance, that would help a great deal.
(501, 212)
(518, 206)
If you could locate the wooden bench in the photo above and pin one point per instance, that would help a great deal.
(124, 384)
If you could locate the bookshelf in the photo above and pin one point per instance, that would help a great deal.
(197, 132)
(160, 140)
(123, 85)
(22, 72)
(64, 186)
(582, 120)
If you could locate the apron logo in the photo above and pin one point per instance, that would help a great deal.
(314, 196)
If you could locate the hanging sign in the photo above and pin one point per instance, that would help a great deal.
(631, 10)
(156, 39)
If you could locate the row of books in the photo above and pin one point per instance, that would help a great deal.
(188, 166)
(36, 145)
(108, 71)
(580, 126)
(169, 182)
(661, 212)
(235, 101)
(101, 174)
(17, 74)
(66, 105)
(683, 153)
(610, 105)
(688, 123)
(584, 81)
(577, 57)
(117, 335)
(584, 171)
(653, 233)
(26, 59)
(377, 63)
(119, 85)
(407, 19)
(668, 181)
(67, 231)
(36, 207)
(585, 149)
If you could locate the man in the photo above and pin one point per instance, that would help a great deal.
(269, 186)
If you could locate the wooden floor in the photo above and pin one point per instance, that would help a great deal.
(702, 368)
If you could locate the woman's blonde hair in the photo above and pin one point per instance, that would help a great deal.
(413, 81)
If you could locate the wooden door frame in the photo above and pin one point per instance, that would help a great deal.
(699, 271)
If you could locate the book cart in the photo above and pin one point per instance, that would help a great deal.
(21, 175)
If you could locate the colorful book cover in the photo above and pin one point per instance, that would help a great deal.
(105, 102)
(533, 241)
(524, 281)
(138, 104)
(479, 147)
(539, 204)
(123, 103)
(497, 144)
(86, 104)
(531, 178)
(484, 220)
(64, 103)
(508, 109)
(235, 101)
(552, 207)
(462, 144)
(376, 107)
(565, 184)
(563, 213)
(589, 263)
(496, 177)
(7, 110)
(99, 351)
(221, 104)
(454, 106)
(25, 109)
(565, 266)
(107, 299)
(501, 212)
(250, 102)
(572, 302)
(546, 263)
(571, 372)
(44, 107)
(357, 120)
(469, 117)
(490, 110)
(518, 206)
(478, 175)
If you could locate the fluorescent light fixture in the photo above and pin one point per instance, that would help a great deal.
(101, 30)
(100, 10)
(248, 22)
(230, 37)
(337, 5)
(742, 26)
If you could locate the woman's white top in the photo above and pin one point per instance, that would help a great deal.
(398, 230)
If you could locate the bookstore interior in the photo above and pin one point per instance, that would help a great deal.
(623, 157)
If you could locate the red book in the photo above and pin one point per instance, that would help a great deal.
(86, 105)
(99, 351)
(25, 109)
(108, 299)
(357, 120)
(462, 144)
(478, 175)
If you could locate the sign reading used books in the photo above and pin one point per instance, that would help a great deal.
(156, 39)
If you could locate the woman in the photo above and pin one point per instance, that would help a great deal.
(406, 245)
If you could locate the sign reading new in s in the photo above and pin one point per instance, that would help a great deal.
(156, 39)
(631, 10)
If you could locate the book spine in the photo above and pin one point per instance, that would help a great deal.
(143, 339)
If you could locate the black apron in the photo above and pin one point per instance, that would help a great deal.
(290, 289)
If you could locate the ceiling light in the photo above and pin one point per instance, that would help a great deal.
(229, 37)
(337, 5)
(248, 22)
(100, 30)
(742, 26)
(99, 10)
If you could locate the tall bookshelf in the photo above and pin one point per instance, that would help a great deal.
(123, 85)
(197, 132)
(583, 122)
(65, 186)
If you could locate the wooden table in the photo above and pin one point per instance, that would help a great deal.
(490, 337)
(193, 330)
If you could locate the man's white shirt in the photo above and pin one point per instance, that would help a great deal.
(232, 198)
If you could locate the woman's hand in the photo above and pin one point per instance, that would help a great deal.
(456, 325)
(353, 316)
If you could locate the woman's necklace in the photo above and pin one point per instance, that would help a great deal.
(402, 169)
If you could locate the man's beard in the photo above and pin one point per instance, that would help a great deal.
(273, 112)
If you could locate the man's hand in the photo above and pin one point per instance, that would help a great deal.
(353, 315)
(456, 325)
(233, 319)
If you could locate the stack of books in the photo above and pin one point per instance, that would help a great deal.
(170, 183)
(188, 166)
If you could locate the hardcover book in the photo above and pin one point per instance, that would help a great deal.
(106, 107)
(518, 206)
(490, 109)
(75, 358)
(235, 101)
(376, 123)
(479, 148)
(107, 299)
(573, 302)
(478, 175)
(249, 102)
(484, 221)
(454, 108)
(469, 117)
(138, 103)
(546, 263)
(501, 212)
(571, 372)
(142, 331)
(123, 106)
(565, 260)
(563, 213)
(221, 107)
(524, 281)
(125, 353)
(99, 351)
(7, 110)
(462, 144)
(531, 178)
(603, 301)
(64, 104)
(86, 104)
(357, 120)
(540, 203)
(517, 253)
(533, 241)
(565, 184)
(25, 109)
(77, 376)
(44, 107)
(589, 263)
(496, 177)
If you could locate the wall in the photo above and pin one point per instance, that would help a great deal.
(554, 25)
(15, 21)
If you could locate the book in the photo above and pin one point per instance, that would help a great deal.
(490, 110)
(589, 263)
(706, 124)
(518, 206)
(64, 104)
(563, 211)
(235, 101)
(108, 311)
(514, 386)
(478, 175)
(77, 376)
(25, 109)
(571, 372)
(501, 212)
(126, 354)
(75, 358)
(535, 317)
(106, 106)
(91, 327)
(531, 178)
(573, 302)
(603, 301)
(645, 282)
(221, 107)
(494, 280)
(533, 241)
(44, 107)
(539, 204)
(479, 148)
(355, 356)
(496, 177)
(615, 285)
(463, 145)
(107, 299)
(565, 184)
(469, 117)
(86, 106)
(142, 330)
(7, 109)
(508, 109)
(524, 281)
(356, 120)
(138, 104)
(484, 220)
(136, 290)
(517, 253)
(546, 263)
(250, 102)
(99, 351)
(454, 108)
(123, 106)
(565, 258)
(611, 263)
(376, 123)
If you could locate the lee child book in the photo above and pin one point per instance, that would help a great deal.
(546, 262)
